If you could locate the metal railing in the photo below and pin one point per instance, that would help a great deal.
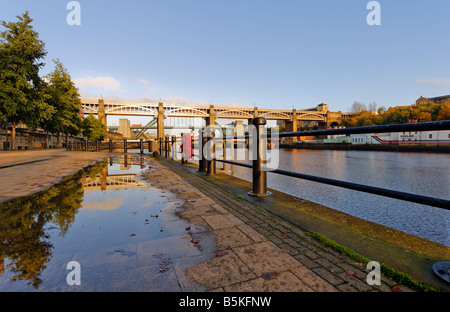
(259, 176)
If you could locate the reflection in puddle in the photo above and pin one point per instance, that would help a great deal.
(105, 217)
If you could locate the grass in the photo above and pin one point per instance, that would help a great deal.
(399, 277)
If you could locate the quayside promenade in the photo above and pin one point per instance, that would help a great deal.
(245, 247)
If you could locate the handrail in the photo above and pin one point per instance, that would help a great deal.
(420, 199)
(420, 126)
(259, 178)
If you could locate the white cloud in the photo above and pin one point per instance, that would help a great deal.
(107, 83)
(145, 82)
(151, 88)
(440, 83)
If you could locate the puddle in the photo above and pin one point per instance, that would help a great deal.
(123, 233)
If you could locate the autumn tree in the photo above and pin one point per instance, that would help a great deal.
(22, 95)
(444, 112)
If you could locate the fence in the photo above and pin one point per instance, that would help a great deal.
(259, 176)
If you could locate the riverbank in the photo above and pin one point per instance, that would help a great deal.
(431, 148)
(273, 248)
(399, 250)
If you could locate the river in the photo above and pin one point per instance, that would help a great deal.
(419, 173)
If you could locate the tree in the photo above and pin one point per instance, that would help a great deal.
(397, 115)
(372, 107)
(358, 107)
(65, 99)
(22, 96)
(94, 129)
(444, 112)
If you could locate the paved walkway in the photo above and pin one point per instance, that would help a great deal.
(256, 251)
(244, 247)
(25, 172)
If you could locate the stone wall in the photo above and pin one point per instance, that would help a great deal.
(32, 139)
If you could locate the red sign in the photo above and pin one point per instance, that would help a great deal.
(186, 146)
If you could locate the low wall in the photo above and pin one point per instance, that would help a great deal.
(31, 139)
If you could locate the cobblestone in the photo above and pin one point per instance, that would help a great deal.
(308, 265)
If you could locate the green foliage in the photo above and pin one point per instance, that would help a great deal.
(94, 129)
(22, 96)
(65, 99)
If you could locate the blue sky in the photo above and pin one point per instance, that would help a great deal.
(272, 54)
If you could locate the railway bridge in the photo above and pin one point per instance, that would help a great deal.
(320, 114)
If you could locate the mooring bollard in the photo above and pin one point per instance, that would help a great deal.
(182, 148)
(211, 164)
(141, 146)
(259, 175)
(172, 146)
(201, 147)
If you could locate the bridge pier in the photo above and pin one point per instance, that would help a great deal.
(160, 125)
(102, 112)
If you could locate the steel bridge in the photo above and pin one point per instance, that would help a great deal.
(160, 111)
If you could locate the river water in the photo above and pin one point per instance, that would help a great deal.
(419, 173)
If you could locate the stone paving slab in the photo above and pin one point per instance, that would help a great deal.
(33, 171)
(235, 245)
(255, 251)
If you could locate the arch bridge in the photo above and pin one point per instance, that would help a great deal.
(319, 114)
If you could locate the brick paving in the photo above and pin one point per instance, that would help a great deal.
(255, 250)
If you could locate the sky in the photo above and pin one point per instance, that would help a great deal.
(269, 54)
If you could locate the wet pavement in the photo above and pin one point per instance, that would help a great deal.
(139, 224)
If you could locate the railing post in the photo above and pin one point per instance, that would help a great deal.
(141, 146)
(166, 143)
(125, 146)
(172, 146)
(201, 148)
(182, 148)
(211, 164)
(259, 175)
(224, 149)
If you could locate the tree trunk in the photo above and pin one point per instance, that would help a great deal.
(46, 139)
(57, 140)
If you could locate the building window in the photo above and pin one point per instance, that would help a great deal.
(430, 136)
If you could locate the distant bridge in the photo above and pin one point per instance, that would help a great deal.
(160, 111)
